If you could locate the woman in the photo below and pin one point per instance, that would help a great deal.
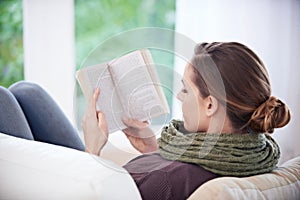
(228, 114)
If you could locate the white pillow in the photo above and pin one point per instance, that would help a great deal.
(36, 170)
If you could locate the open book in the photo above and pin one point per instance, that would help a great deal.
(129, 87)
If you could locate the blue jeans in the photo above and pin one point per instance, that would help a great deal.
(27, 111)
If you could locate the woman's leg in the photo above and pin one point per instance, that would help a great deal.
(46, 120)
(12, 119)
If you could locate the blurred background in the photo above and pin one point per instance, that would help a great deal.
(46, 41)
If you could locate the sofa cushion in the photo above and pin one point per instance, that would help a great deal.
(35, 170)
(281, 183)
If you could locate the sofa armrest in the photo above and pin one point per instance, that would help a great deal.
(281, 183)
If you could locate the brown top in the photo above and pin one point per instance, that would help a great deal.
(159, 179)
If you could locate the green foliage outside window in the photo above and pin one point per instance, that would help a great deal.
(97, 20)
(11, 42)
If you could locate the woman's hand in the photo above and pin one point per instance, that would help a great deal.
(94, 127)
(140, 135)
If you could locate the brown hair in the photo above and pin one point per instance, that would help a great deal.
(236, 76)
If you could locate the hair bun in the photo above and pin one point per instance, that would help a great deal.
(273, 113)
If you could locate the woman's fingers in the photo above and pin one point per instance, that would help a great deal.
(135, 123)
(102, 121)
(94, 126)
(95, 97)
(91, 112)
(93, 101)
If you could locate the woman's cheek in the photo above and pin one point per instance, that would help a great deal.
(190, 115)
(185, 114)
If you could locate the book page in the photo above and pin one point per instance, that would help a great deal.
(154, 76)
(108, 102)
(136, 89)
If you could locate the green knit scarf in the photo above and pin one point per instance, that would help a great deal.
(225, 154)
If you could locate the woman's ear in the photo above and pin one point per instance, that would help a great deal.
(212, 105)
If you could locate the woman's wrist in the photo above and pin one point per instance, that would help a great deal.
(93, 151)
(150, 145)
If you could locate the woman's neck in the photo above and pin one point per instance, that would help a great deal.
(220, 123)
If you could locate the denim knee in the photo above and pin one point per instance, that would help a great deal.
(12, 119)
(5, 93)
(25, 87)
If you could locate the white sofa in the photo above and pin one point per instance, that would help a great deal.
(35, 170)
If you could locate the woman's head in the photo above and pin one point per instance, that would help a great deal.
(233, 75)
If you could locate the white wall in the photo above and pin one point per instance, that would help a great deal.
(271, 29)
(49, 48)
